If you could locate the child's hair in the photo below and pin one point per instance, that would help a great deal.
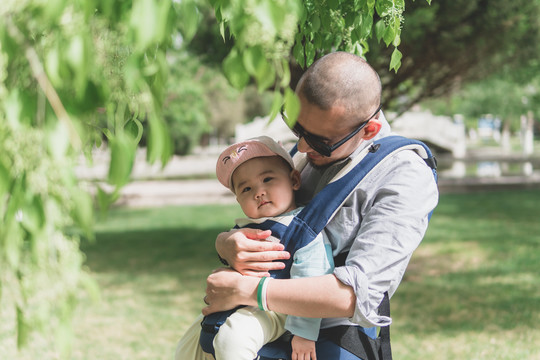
(237, 154)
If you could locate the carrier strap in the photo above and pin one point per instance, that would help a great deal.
(385, 351)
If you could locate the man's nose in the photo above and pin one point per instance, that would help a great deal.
(303, 146)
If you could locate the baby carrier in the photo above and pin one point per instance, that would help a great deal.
(341, 342)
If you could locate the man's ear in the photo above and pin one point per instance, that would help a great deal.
(371, 129)
(295, 179)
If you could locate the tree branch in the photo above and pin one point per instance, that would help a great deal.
(44, 83)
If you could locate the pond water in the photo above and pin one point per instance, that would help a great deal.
(488, 168)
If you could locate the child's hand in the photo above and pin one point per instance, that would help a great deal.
(303, 349)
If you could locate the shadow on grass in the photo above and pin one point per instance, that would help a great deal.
(161, 240)
(153, 251)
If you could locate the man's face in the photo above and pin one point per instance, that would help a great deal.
(330, 126)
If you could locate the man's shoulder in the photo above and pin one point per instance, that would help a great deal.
(401, 166)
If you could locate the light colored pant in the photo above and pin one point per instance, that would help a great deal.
(239, 338)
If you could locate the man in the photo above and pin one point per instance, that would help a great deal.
(378, 227)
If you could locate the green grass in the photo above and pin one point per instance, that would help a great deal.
(471, 291)
(472, 288)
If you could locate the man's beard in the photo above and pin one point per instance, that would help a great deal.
(318, 167)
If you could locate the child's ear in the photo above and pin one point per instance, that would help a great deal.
(295, 179)
(371, 129)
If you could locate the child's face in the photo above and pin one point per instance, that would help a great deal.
(265, 187)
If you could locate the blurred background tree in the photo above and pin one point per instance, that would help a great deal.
(453, 43)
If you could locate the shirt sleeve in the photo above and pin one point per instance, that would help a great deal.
(314, 259)
(391, 210)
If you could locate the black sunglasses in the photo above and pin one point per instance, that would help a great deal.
(318, 144)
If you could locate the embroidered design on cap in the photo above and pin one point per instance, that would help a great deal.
(235, 154)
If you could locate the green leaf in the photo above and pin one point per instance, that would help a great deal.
(13, 108)
(188, 19)
(315, 23)
(380, 28)
(222, 30)
(256, 65)
(395, 61)
(77, 56)
(254, 60)
(104, 200)
(135, 129)
(32, 215)
(54, 9)
(52, 65)
(397, 41)
(383, 7)
(235, 71)
(163, 11)
(367, 24)
(292, 107)
(326, 21)
(389, 35)
(143, 23)
(333, 4)
(83, 212)
(75, 52)
(278, 11)
(298, 53)
(310, 53)
(58, 141)
(317, 40)
(11, 230)
(277, 103)
(132, 72)
(349, 19)
(270, 15)
(159, 142)
(266, 78)
(13, 240)
(5, 182)
(286, 74)
(122, 158)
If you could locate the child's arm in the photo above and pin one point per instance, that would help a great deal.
(303, 348)
(312, 260)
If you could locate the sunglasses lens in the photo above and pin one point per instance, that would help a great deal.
(316, 145)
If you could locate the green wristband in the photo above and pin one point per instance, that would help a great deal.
(261, 293)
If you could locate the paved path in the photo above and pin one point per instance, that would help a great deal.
(174, 192)
(186, 180)
(189, 180)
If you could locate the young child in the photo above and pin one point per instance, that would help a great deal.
(261, 174)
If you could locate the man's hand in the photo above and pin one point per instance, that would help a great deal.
(226, 289)
(303, 349)
(247, 251)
